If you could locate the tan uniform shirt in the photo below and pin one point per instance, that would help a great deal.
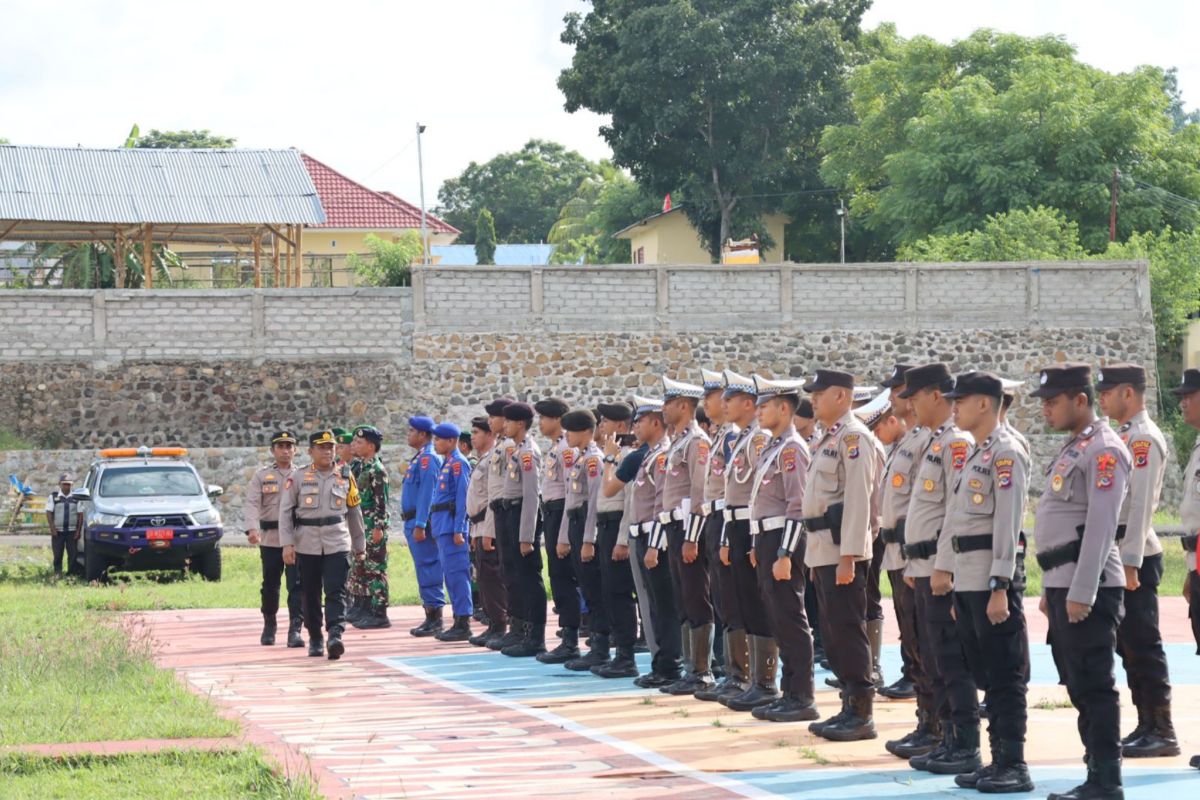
(524, 467)
(843, 470)
(262, 501)
(478, 499)
(647, 489)
(558, 463)
(941, 462)
(899, 472)
(583, 488)
(315, 495)
(739, 473)
(1148, 447)
(687, 467)
(1189, 509)
(778, 497)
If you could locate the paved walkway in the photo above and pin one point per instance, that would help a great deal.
(405, 717)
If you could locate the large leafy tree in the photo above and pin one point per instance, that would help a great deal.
(524, 190)
(947, 135)
(198, 139)
(722, 100)
(603, 204)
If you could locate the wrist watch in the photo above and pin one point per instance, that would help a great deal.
(999, 584)
(610, 459)
(781, 553)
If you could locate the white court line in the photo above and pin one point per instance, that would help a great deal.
(631, 748)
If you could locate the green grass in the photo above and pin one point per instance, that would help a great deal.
(169, 774)
(10, 441)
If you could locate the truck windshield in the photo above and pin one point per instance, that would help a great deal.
(148, 482)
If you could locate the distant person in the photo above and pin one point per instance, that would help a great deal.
(62, 512)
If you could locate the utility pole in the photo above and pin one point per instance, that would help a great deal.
(1112, 214)
(421, 177)
(841, 212)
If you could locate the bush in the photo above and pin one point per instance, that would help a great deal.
(390, 263)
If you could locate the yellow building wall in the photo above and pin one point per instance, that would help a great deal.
(1191, 345)
(671, 239)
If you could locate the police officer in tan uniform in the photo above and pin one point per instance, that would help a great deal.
(261, 515)
(837, 517)
(483, 533)
(490, 543)
(564, 585)
(1122, 389)
(518, 530)
(319, 525)
(1189, 509)
(983, 528)
(1083, 581)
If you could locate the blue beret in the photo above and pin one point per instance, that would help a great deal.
(422, 424)
(446, 430)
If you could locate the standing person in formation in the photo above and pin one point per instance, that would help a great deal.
(372, 479)
(806, 426)
(483, 532)
(564, 586)
(319, 526)
(262, 528)
(1082, 577)
(837, 516)
(518, 529)
(983, 523)
(1189, 509)
(416, 496)
(1122, 389)
(502, 454)
(448, 525)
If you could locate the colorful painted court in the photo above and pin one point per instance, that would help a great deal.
(400, 717)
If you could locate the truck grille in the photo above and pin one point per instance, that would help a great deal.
(158, 521)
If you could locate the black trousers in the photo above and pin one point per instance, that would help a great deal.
(812, 605)
(904, 605)
(725, 595)
(326, 572)
(616, 581)
(273, 570)
(955, 696)
(999, 653)
(61, 543)
(588, 575)
(710, 543)
(664, 616)
(690, 581)
(1194, 607)
(1086, 650)
(784, 601)
(492, 595)
(844, 628)
(750, 609)
(523, 574)
(1139, 640)
(874, 580)
(564, 586)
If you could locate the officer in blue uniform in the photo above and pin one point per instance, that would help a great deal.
(448, 518)
(416, 497)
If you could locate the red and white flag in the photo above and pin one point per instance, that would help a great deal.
(667, 203)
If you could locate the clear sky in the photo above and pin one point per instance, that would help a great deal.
(346, 82)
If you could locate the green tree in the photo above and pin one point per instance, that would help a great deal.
(524, 189)
(3, 140)
(603, 204)
(721, 100)
(947, 135)
(199, 139)
(390, 263)
(485, 238)
(1040, 234)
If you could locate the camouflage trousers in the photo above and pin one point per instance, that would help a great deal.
(369, 576)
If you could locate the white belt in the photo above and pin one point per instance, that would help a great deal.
(732, 514)
(638, 528)
(711, 506)
(667, 517)
(767, 525)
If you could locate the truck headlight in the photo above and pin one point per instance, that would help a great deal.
(209, 517)
(107, 520)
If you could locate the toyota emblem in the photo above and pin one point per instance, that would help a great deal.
(158, 521)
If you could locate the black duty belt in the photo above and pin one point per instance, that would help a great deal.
(319, 522)
(967, 544)
(1189, 542)
(578, 513)
(480, 517)
(268, 525)
(554, 504)
(451, 507)
(1063, 554)
(408, 515)
(893, 535)
(508, 504)
(1120, 532)
(830, 521)
(920, 550)
(609, 516)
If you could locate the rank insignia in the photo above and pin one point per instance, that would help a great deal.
(1056, 483)
(929, 485)
(977, 499)
(897, 480)
(936, 447)
(527, 461)
(975, 483)
(288, 485)
(851, 441)
(958, 454)
(1141, 453)
(987, 457)
(789, 460)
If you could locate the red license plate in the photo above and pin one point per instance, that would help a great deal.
(160, 534)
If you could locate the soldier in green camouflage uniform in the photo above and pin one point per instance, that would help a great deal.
(371, 577)
(356, 588)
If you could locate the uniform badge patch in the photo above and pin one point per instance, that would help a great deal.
(456, 467)
(1056, 483)
(975, 483)
(851, 441)
(977, 499)
(527, 461)
(424, 462)
(929, 485)
(958, 454)
(568, 457)
(789, 460)
(661, 462)
(987, 457)
(897, 480)
(593, 467)
(288, 485)
(1106, 465)
(1141, 453)
(702, 452)
(936, 447)
(309, 500)
(1004, 470)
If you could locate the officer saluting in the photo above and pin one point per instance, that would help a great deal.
(319, 524)
(1083, 580)
(261, 515)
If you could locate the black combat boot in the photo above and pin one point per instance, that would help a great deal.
(268, 631)
(919, 742)
(316, 645)
(1195, 762)
(516, 632)
(963, 756)
(460, 631)
(1159, 740)
(294, 637)
(1008, 773)
(858, 723)
(970, 780)
(875, 638)
(922, 762)
(1143, 725)
(788, 708)
(354, 609)
(623, 666)
(737, 669)
(1103, 783)
(481, 639)
(700, 678)
(597, 656)
(567, 649)
(902, 689)
(533, 644)
(764, 664)
(817, 728)
(432, 625)
(335, 648)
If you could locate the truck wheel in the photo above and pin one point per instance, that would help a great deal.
(95, 566)
(208, 566)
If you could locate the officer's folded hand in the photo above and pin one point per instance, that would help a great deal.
(1132, 582)
(942, 582)
(526, 548)
(253, 537)
(289, 554)
(587, 552)
(910, 581)
(459, 540)
(782, 569)
(753, 559)
(845, 571)
(651, 559)
(1077, 612)
(563, 549)
(361, 555)
(690, 552)
(620, 552)
(997, 607)
(725, 555)
(418, 534)
(489, 544)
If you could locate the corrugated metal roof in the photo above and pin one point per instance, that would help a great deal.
(196, 187)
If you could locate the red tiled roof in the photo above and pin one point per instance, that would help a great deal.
(349, 204)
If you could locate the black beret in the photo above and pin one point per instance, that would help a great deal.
(805, 409)
(617, 412)
(1190, 383)
(520, 412)
(370, 433)
(1062, 378)
(826, 378)
(551, 407)
(482, 424)
(971, 383)
(925, 376)
(579, 420)
(496, 407)
(897, 376)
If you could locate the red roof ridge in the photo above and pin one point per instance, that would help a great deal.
(350, 204)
